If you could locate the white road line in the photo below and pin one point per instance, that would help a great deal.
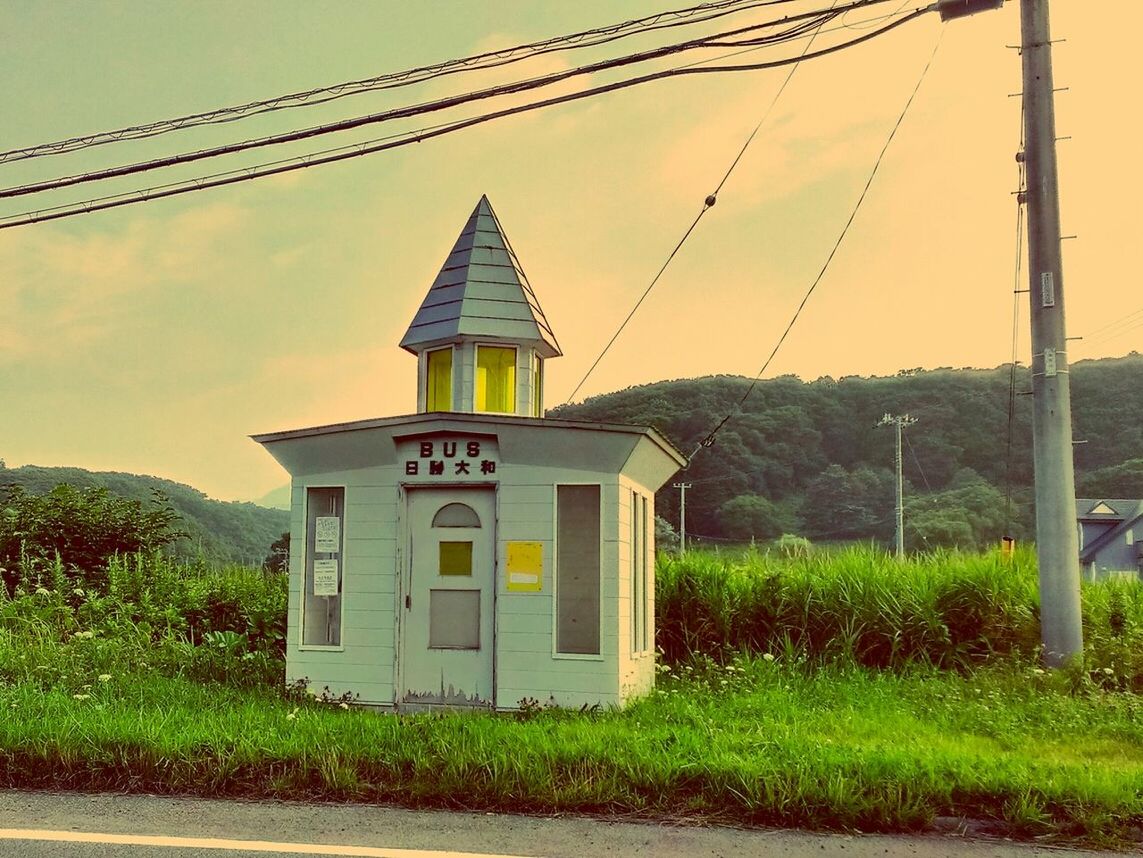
(238, 845)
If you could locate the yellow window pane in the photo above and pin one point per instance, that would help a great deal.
(496, 379)
(456, 558)
(438, 394)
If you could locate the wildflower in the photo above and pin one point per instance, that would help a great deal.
(81, 696)
(768, 656)
(104, 677)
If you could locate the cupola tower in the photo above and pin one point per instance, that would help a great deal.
(480, 336)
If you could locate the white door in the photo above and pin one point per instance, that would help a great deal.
(448, 622)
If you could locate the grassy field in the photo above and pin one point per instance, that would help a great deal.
(759, 717)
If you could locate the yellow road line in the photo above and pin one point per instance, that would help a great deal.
(239, 845)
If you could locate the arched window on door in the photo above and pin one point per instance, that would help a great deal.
(456, 515)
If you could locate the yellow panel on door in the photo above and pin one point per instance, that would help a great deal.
(456, 558)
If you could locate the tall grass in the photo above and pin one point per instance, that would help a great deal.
(945, 609)
(171, 680)
(154, 615)
(751, 742)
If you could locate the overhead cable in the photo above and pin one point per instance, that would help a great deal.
(370, 147)
(795, 23)
(1021, 189)
(708, 441)
(710, 200)
(701, 13)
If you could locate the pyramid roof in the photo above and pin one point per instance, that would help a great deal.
(481, 292)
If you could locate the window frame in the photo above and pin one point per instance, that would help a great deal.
(574, 656)
(640, 586)
(647, 527)
(451, 377)
(307, 558)
(537, 386)
(514, 387)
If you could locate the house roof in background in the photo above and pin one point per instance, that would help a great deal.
(1107, 509)
(1122, 515)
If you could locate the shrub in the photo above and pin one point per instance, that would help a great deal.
(181, 620)
(82, 529)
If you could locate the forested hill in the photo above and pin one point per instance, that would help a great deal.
(219, 531)
(809, 457)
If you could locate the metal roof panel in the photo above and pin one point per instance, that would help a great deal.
(496, 299)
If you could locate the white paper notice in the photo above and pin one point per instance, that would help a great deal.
(325, 577)
(327, 534)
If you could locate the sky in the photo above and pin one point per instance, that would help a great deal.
(156, 338)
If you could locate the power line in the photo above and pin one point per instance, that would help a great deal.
(370, 147)
(707, 204)
(710, 438)
(796, 25)
(1117, 334)
(321, 95)
(1114, 330)
(916, 461)
(1021, 190)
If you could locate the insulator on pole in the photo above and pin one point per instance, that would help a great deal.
(950, 9)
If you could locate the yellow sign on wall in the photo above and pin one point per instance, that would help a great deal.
(525, 567)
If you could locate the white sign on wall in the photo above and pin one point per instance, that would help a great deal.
(450, 458)
(327, 534)
(325, 577)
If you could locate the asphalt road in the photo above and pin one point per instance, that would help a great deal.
(52, 825)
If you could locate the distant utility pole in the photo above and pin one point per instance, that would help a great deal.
(682, 487)
(1057, 544)
(899, 421)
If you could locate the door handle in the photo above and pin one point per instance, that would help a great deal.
(408, 603)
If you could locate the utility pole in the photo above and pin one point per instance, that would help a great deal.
(682, 487)
(898, 422)
(1057, 545)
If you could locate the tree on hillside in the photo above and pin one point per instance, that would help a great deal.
(82, 528)
(666, 537)
(969, 515)
(1117, 481)
(278, 558)
(749, 517)
(781, 440)
(214, 531)
(855, 504)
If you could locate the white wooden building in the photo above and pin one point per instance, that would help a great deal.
(474, 553)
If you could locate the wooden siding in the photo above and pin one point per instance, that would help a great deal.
(363, 664)
(526, 665)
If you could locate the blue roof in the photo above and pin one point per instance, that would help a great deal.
(481, 292)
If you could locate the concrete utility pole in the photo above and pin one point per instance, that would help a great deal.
(899, 421)
(682, 487)
(1057, 545)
